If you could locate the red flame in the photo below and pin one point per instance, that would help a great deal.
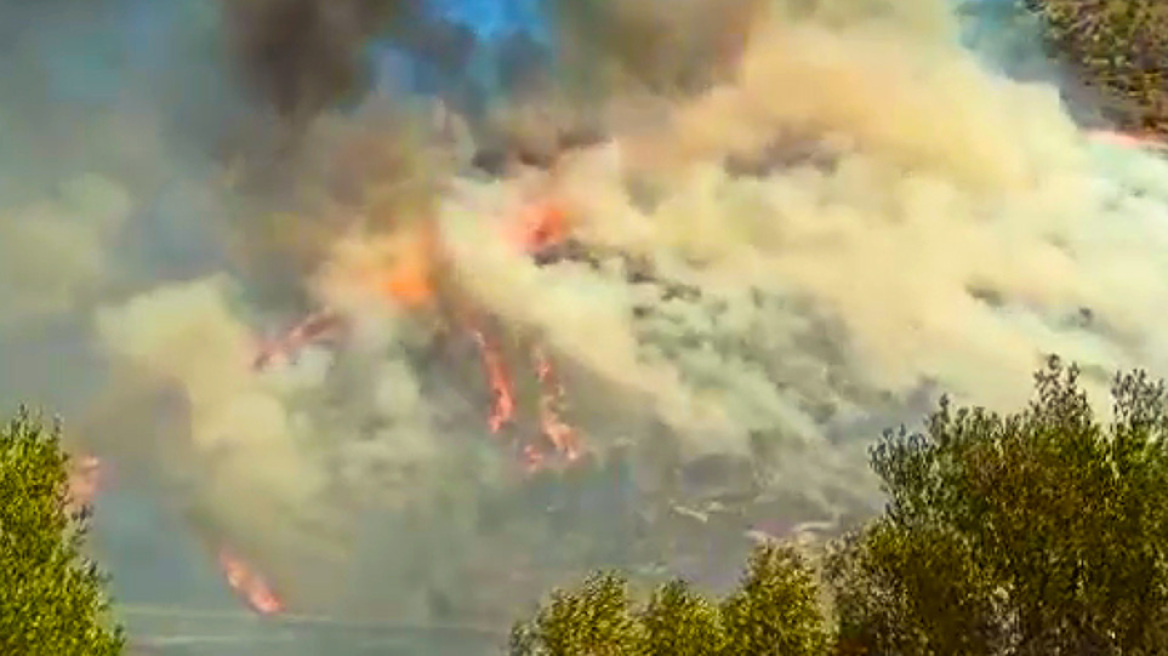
(1128, 139)
(498, 380)
(312, 329)
(249, 584)
(84, 482)
(541, 226)
(409, 284)
(552, 397)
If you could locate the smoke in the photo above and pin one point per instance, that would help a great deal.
(797, 224)
(55, 249)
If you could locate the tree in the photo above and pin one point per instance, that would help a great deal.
(680, 622)
(1039, 532)
(775, 611)
(593, 620)
(1119, 47)
(52, 600)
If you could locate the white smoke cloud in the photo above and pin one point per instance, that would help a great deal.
(52, 252)
(913, 221)
(949, 183)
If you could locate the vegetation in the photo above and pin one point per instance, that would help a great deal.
(1035, 533)
(1038, 532)
(774, 612)
(1119, 47)
(52, 600)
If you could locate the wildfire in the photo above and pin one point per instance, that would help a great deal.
(552, 400)
(1129, 140)
(409, 280)
(498, 380)
(85, 478)
(540, 227)
(248, 584)
(403, 269)
(312, 329)
(83, 483)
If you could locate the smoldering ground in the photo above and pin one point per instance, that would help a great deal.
(819, 217)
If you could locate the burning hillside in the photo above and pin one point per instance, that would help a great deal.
(389, 365)
(408, 273)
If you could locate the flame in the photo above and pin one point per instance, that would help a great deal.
(84, 482)
(409, 279)
(540, 226)
(409, 284)
(552, 397)
(533, 459)
(248, 583)
(498, 380)
(313, 329)
(1128, 139)
(402, 268)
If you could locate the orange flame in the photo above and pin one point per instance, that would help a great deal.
(248, 584)
(410, 279)
(499, 381)
(405, 273)
(84, 482)
(533, 459)
(541, 226)
(1128, 139)
(563, 437)
(312, 329)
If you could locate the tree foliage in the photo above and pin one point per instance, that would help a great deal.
(1118, 46)
(52, 600)
(680, 622)
(775, 611)
(1040, 532)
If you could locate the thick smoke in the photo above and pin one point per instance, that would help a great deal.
(795, 223)
(95, 137)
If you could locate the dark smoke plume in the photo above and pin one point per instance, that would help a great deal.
(300, 56)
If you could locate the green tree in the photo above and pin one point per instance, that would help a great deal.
(595, 620)
(52, 600)
(1118, 46)
(774, 612)
(1039, 532)
(680, 622)
(776, 609)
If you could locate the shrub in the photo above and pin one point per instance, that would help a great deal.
(1039, 532)
(52, 600)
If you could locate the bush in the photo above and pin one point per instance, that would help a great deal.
(52, 600)
(775, 611)
(1036, 533)
(1039, 532)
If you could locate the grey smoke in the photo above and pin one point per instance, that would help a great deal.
(781, 255)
